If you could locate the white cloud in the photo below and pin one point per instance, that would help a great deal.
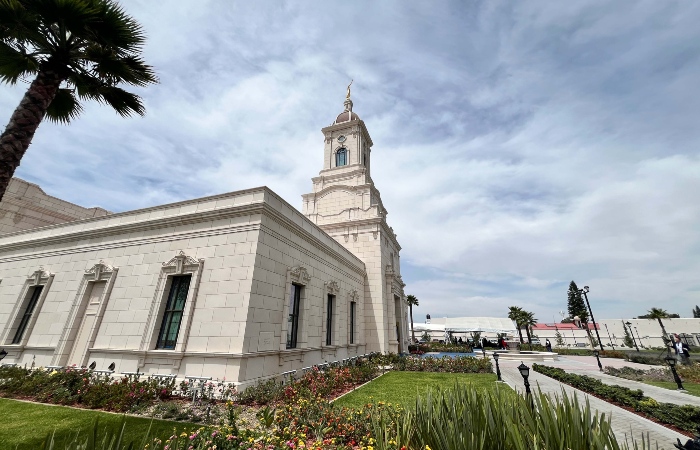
(517, 145)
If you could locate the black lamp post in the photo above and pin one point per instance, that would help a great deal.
(629, 325)
(498, 369)
(585, 291)
(525, 372)
(672, 363)
(3, 353)
(596, 353)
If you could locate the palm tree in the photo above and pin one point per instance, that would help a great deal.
(658, 314)
(76, 50)
(412, 301)
(529, 321)
(517, 315)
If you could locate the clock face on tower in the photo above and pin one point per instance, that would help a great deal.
(341, 138)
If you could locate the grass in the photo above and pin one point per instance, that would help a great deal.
(692, 388)
(404, 387)
(25, 425)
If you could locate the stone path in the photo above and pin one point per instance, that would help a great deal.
(624, 423)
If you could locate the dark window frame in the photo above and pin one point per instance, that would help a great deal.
(293, 317)
(28, 311)
(341, 152)
(174, 312)
(352, 322)
(329, 319)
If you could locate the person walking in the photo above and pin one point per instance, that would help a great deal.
(682, 350)
(548, 345)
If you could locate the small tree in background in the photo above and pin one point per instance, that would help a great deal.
(425, 336)
(559, 339)
(412, 301)
(696, 312)
(575, 305)
(476, 337)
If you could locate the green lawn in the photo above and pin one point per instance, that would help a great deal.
(692, 388)
(405, 387)
(25, 425)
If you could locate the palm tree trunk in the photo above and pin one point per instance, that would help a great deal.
(413, 333)
(24, 121)
(529, 337)
(665, 335)
(520, 333)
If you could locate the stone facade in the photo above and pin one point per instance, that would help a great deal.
(346, 205)
(221, 273)
(25, 206)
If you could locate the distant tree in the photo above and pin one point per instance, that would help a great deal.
(628, 338)
(529, 321)
(658, 314)
(567, 320)
(559, 338)
(412, 301)
(425, 336)
(575, 305)
(476, 337)
(517, 315)
(75, 50)
(696, 312)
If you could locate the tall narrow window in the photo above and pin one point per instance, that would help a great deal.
(293, 320)
(329, 320)
(341, 157)
(27, 314)
(352, 322)
(172, 317)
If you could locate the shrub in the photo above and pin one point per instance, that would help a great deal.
(684, 417)
(461, 364)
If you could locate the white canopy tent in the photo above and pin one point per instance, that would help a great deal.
(468, 325)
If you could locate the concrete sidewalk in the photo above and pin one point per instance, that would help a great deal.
(626, 425)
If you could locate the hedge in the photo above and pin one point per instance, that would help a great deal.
(686, 417)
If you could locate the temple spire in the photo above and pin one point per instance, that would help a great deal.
(348, 102)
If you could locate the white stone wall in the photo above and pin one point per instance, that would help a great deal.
(239, 248)
(25, 206)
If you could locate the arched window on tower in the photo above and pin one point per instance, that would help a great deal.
(341, 157)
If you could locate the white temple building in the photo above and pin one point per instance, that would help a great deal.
(240, 286)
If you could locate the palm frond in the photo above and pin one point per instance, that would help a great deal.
(14, 63)
(116, 29)
(124, 103)
(114, 69)
(64, 107)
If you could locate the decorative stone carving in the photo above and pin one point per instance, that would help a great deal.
(98, 269)
(375, 234)
(180, 262)
(332, 287)
(299, 275)
(353, 296)
(38, 275)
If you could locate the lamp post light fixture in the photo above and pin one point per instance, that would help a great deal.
(498, 369)
(672, 364)
(3, 353)
(525, 372)
(585, 292)
(629, 325)
(596, 353)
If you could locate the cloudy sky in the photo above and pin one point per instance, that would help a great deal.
(518, 145)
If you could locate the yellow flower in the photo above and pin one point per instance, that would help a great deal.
(427, 447)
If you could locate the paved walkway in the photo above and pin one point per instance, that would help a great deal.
(624, 423)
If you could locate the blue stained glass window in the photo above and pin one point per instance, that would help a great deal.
(341, 157)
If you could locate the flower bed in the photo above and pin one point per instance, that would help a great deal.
(684, 417)
(460, 364)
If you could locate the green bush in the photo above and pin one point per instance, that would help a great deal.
(460, 364)
(684, 417)
(465, 418)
